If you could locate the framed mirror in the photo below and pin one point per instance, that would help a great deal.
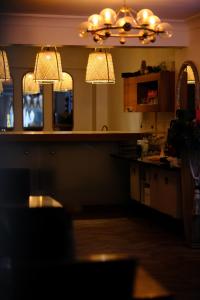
(63, 103)
(6, 105)
(188, 88)
(33, 115)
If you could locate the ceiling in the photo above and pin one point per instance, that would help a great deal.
(165, 9)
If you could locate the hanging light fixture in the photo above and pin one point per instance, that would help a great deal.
(100, 67)
(125, 23)
(63, 85)
(1, 87)
(30, 86)
(4, 66)
(48, 66)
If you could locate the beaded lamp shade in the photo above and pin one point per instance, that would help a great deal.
(30, 86)
(48, 66)
(63, 85)
(100, 68)
(4, 66)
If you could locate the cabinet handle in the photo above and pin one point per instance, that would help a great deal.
(166, 180)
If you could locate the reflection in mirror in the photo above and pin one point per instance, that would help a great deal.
(32, 103)
(63, 103)
(6, 105)
(188, 88)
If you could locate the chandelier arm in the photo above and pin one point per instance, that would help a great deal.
(119, 27)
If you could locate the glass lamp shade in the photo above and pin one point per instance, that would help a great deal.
(30, 86)
(63, 85)
(4, 66)
(100, 68)
(48, 66)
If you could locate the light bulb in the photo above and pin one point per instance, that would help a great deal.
(109, 16)
(143, 16)
(96, 21)
(153, 22)
(165, 30)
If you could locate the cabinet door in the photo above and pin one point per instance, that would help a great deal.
(165, 192)
(135, 181)
(130, 94)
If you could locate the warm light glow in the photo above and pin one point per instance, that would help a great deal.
(30, 86)
(125, 23)
(48, 66)
(4, 66)
(63, 85)
(100, 67)
(1, 87)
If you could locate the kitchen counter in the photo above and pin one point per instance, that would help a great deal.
(68, 136)
(148, 162)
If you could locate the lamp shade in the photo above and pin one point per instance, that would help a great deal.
(1, 87)
(30, 86)
(48, 66)
(4, 66)
(100, 68)
(63, 85)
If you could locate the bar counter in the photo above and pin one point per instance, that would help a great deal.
(68, 136)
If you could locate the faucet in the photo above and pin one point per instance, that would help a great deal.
(104, 128)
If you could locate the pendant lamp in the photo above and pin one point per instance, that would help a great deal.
(1, 87)
(30, 86)
(100, 67)
(48, 66)
(63, 85)
(4, 66)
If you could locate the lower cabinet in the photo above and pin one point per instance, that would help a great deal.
(135, 181)
(157, 187)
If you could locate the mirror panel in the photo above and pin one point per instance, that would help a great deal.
(6, 105)
(33, 112)
(63, 103)
(188, 88)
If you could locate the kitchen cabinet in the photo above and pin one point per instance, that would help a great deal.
(153, 92)
(157, 187)
(165, 191)
(135, 181)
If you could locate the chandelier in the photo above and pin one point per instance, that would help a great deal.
(125, 23)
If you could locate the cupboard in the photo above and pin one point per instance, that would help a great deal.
(157, 187)
(150, 92)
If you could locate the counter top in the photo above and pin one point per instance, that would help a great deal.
(148, 162)
(68, 136)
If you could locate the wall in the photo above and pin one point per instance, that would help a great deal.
(74, 59)
(129, 60)
(95, 106)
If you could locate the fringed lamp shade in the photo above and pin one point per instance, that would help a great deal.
(63, 85)
(30, 86)
(100, 68)
(1, 87)
(4, 67)
(48, 66)
(190, 75)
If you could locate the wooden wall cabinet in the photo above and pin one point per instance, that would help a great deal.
(150, 92)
